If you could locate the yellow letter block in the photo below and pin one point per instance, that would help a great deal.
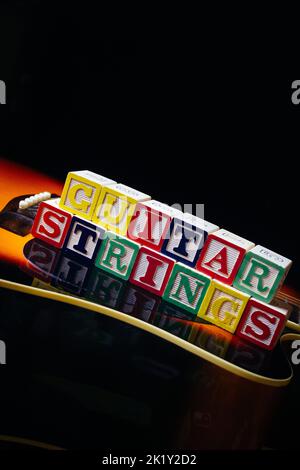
(81, 192)
(116, 206)
(223, 306)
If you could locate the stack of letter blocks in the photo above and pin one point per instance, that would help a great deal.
(209, 272)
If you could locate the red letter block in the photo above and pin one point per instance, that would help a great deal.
(51, 223)
(262, 324)
(222, 255)
(151, 271)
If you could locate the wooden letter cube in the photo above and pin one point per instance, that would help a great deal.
(81, 192)
(262, 273)
(223, 306)
(186, 288)
(187, 237)
(262, 324)
(151, 271)
(117, 255)
(222, 255)
(51, 223)
(83, 240)
(150, 223)
(115, 207)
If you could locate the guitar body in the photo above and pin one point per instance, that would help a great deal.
(114, 366)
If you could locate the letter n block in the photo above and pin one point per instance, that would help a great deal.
(262, 273)
(222, 255)
(83, 240)
(262, 324)
(223, 306)
(151, 271)
(186, 288)
(116, 206)
(186, 239)
(51, 224)
(117, 255)
(81, 192)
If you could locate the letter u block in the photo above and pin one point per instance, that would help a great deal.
(262, 273)
(116, 206)
(186, 288)
(51, 224)
(81, 192)
(223, 306)
(117, 255)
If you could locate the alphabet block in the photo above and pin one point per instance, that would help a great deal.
(150, 223)
(188, 234)
(151, 271)
(83, 240)
(222, 255)
(116, 206)
(81, 192)
(262, 273)
(186, 288)
(117, 255)
(51, 223)
(262, 324)
(223, 306)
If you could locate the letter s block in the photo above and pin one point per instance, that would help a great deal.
(262, 324)
(51, 223)
(223, 306)
(262, 273)
(81, 192)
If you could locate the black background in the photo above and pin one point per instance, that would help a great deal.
(155, 103)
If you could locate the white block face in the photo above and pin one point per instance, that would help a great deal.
(164, 208)
(192, 247)
(55, 218)
(74, 238)
(118, 213)
(113, 261)
(268, 281)
(225, 307)
(141, 224)
(130, 193)
(214, 248)
(90, 175)
(142, 268)
(235, 239)
(200, 223)
(195, 285)
(81, 197)
(269, 255)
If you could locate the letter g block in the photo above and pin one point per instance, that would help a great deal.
(81, 192)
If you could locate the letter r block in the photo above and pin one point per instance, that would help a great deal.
(81, 192)
(262, 324)
(51, 224)
(117, 255)
(223, 306)
(151, 271)
(262, 273)
(186, 288)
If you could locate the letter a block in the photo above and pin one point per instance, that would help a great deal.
(222, 255)
(186, 288)
(83, 240)
(116, 206)
(81, 192)
(262, 324)
(151, 271)
(51, 223)
(117, 255)
(223, 306)
(187, 237)
(262, 273)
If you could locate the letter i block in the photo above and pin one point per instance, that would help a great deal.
(83, 240)
(223, 306)
(262, 324)
(51, 224)
(81, 192)
(150, 223)
(151, 271)
(222, 255)
(116, 206)
(186, 288)
(262, 273)
(117, 255)
(186, 239)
